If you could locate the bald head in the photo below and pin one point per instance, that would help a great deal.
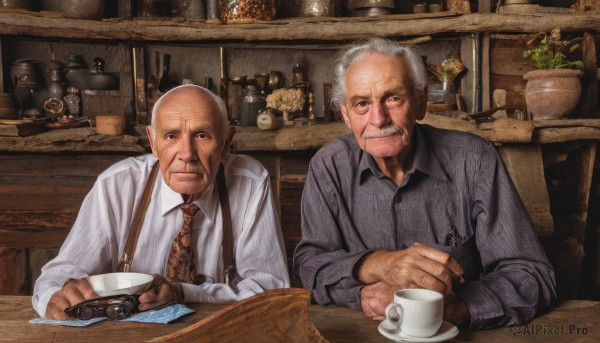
(185, 93)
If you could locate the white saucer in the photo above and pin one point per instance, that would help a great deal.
(447, 331)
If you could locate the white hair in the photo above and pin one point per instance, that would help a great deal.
(383, 46)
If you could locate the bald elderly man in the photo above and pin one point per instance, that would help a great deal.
(190, 137)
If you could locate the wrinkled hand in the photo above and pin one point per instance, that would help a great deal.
(455, 310)
(161, 292)
(418, 266)
(73, 292)
(374, 299)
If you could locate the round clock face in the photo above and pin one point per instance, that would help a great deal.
(54, 105)
(265, 121)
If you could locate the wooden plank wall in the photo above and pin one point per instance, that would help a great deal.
(40, 196)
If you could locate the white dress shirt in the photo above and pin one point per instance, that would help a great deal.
(96, 241)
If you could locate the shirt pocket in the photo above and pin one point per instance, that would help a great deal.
(466, 255)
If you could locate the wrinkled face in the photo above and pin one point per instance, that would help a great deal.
(380, 107)
(188, 140)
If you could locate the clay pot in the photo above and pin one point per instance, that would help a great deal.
(83, 9)
(552, 93)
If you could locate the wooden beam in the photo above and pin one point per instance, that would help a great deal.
(589, 82)
(306, 28)
(32, 239)
(525, 166)
(78, 139)
(27, 220)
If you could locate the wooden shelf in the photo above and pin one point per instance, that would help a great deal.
(52, 25)
(71, 140)
(311, 137)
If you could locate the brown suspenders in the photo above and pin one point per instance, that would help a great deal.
(228, 254)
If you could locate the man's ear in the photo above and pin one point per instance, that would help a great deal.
(345, 116)
(149, 130)
(227, 143)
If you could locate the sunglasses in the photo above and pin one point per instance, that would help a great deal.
(114, 307)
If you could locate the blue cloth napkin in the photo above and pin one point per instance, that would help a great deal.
(162, 316)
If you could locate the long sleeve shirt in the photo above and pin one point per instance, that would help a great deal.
(457, 197)
(95, 243)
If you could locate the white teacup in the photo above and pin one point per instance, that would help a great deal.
(416, 312)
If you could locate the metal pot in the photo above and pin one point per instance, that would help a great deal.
(102, 80)
(83, 9)
(27, 68)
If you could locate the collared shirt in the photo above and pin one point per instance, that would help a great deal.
(96, 241)
(457, 197)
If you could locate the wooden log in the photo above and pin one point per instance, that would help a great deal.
(566, 123)
(80, 139)
(526, 168)
(507, 130)
(291, 139)
(328, 29)
(589, 82)
(584, 169)
(1, 74)
(557, 135)
(279, 315)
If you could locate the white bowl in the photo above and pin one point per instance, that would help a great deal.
(119, 283)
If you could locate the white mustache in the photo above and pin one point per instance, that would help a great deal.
(387, 131)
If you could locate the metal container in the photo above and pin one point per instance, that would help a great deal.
(83, 9)
(317, 8)
(189, 9)
(247, 11)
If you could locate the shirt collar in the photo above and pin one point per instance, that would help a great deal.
(424, 160)
(205, 201)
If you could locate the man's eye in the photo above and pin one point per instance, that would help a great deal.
(201, 135)
(361, 107)
(169, 137)
(394, 101)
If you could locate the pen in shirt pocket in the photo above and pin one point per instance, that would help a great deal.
(453, 238)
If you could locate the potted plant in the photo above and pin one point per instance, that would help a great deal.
(553, 89)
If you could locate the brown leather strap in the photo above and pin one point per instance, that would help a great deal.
(228, 254)
(136, 226)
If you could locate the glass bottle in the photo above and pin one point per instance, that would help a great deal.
(210, 85)
(54, 105)
(73, 101)
(252, 103)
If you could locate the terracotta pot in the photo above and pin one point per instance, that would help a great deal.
(552, 93)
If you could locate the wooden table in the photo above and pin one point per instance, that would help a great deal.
(571, 321)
